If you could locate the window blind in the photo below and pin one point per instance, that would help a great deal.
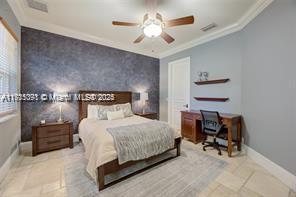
(8, 70)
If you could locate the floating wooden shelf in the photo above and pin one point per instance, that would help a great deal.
(212, 81)
(211, 99)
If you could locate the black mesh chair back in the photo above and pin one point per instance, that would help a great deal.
(211, 122)
(211, 125)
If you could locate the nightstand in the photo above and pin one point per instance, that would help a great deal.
(150, 115)
(51, 136)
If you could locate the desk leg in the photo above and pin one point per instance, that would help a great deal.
(239, 136)
(229, 146)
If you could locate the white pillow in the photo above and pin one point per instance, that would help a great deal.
(126, 108)
(114, 115)
(102, 111)
(92, 111)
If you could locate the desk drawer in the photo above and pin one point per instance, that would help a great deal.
(191, 116)
(53, 142)
(50, 131)
(187, 127)
(191, 126)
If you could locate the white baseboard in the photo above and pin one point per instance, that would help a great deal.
(286, 177)
(24, 146)
(76, 137)
(7, 165)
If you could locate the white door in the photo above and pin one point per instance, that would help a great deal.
(178, 90)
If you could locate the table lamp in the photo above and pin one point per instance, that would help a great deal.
(143, 98)
(59, 98)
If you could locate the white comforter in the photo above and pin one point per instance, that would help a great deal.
(98, 143)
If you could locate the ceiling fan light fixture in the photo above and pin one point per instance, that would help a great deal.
(152, 28)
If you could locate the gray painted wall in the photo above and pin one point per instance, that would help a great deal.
(269, 83)
(260, 60)
(222, 59)
(52, 63)
(10, 129)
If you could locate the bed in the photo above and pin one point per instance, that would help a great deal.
(99, 145)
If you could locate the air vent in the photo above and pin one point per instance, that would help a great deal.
(209, 27)
(38, 5)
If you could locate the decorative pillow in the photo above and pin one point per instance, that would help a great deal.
(103, 109)
(126, 108)
(115, 115)
(92, 111)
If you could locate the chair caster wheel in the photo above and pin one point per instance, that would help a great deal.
(220, 153)
(204, 149)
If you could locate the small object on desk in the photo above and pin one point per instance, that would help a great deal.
(42, 122)
(51, 136)
(150, 115)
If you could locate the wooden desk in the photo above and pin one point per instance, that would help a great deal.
(191, 127)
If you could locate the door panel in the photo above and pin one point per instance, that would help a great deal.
(179, 90)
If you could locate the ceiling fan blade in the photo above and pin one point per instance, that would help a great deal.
(180, 21)
(146, 16)
(139, 39)
(158, 16)
(124, 23)
(169, 39)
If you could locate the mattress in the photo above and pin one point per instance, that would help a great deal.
(99, 144)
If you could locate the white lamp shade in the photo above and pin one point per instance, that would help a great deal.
(152, 30)
(143, 96)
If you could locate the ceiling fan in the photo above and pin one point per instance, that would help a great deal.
(153, 26)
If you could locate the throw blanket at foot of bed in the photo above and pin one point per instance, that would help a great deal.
(141, 141)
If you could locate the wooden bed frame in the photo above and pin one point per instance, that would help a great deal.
(114, 166)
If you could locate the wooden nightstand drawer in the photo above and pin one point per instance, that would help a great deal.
(51, 136)
(57, 130)
(150, 116)
(53, 142)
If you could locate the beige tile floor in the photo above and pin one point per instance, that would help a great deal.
(44, 175)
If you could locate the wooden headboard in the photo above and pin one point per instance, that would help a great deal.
(119, 98)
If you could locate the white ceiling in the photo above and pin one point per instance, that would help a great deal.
(90, 20)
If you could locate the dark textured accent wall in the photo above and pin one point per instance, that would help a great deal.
(54, 63)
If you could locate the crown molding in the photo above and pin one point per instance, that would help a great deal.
(35, 24)
(251, 14)
(18, 9)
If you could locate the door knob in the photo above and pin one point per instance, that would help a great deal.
(185, 105)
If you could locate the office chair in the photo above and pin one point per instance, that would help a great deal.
(212, 126)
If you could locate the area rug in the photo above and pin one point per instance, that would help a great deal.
(186, 176)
